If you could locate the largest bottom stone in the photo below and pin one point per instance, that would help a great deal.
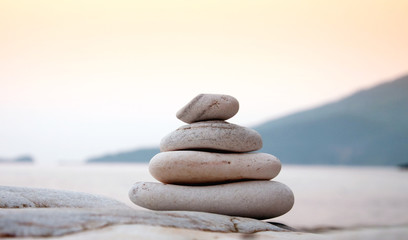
(254, 199)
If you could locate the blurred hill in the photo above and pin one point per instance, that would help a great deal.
(369, 127)
(20, 159)
(134, 156)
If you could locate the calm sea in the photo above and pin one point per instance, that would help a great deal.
(324, 196)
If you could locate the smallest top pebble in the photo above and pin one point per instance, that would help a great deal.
(206, 107)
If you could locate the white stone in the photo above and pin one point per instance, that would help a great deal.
(209, 107)
(190, 167)
(138, 231)
(45, 222)
(212, 135)
(22, 197)
(254, 199)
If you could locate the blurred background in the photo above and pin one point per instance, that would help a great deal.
(83, 78)
(324, 82)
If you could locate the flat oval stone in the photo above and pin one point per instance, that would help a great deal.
(253, 199)
(212, 135)
(194, 167)
(209, 107)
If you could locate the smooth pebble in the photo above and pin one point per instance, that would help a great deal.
(253, 199)
(212, 135)
(192, 167)
(209, 107)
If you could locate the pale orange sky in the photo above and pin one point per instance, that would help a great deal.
(81, 78)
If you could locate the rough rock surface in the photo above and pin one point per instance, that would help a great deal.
(32, 212)
(209, 107)
(254, 199)
(192, 167)
(137, 231)
(22, 197)
(212, 135)
(37, 222)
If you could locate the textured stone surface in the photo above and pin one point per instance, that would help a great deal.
(190, 167)
(214, 135)
(164, 233)
(133, 231)
(37, 222)
(21, 197)
(254, 199)
(209, 107)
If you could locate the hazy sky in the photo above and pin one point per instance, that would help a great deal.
(83, 78)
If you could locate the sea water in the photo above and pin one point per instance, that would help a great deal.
(324, 196)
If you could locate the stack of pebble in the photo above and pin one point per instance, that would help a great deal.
(209, 166)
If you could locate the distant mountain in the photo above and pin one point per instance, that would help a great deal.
(369, 127)
(135, 156)
(21, 159)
